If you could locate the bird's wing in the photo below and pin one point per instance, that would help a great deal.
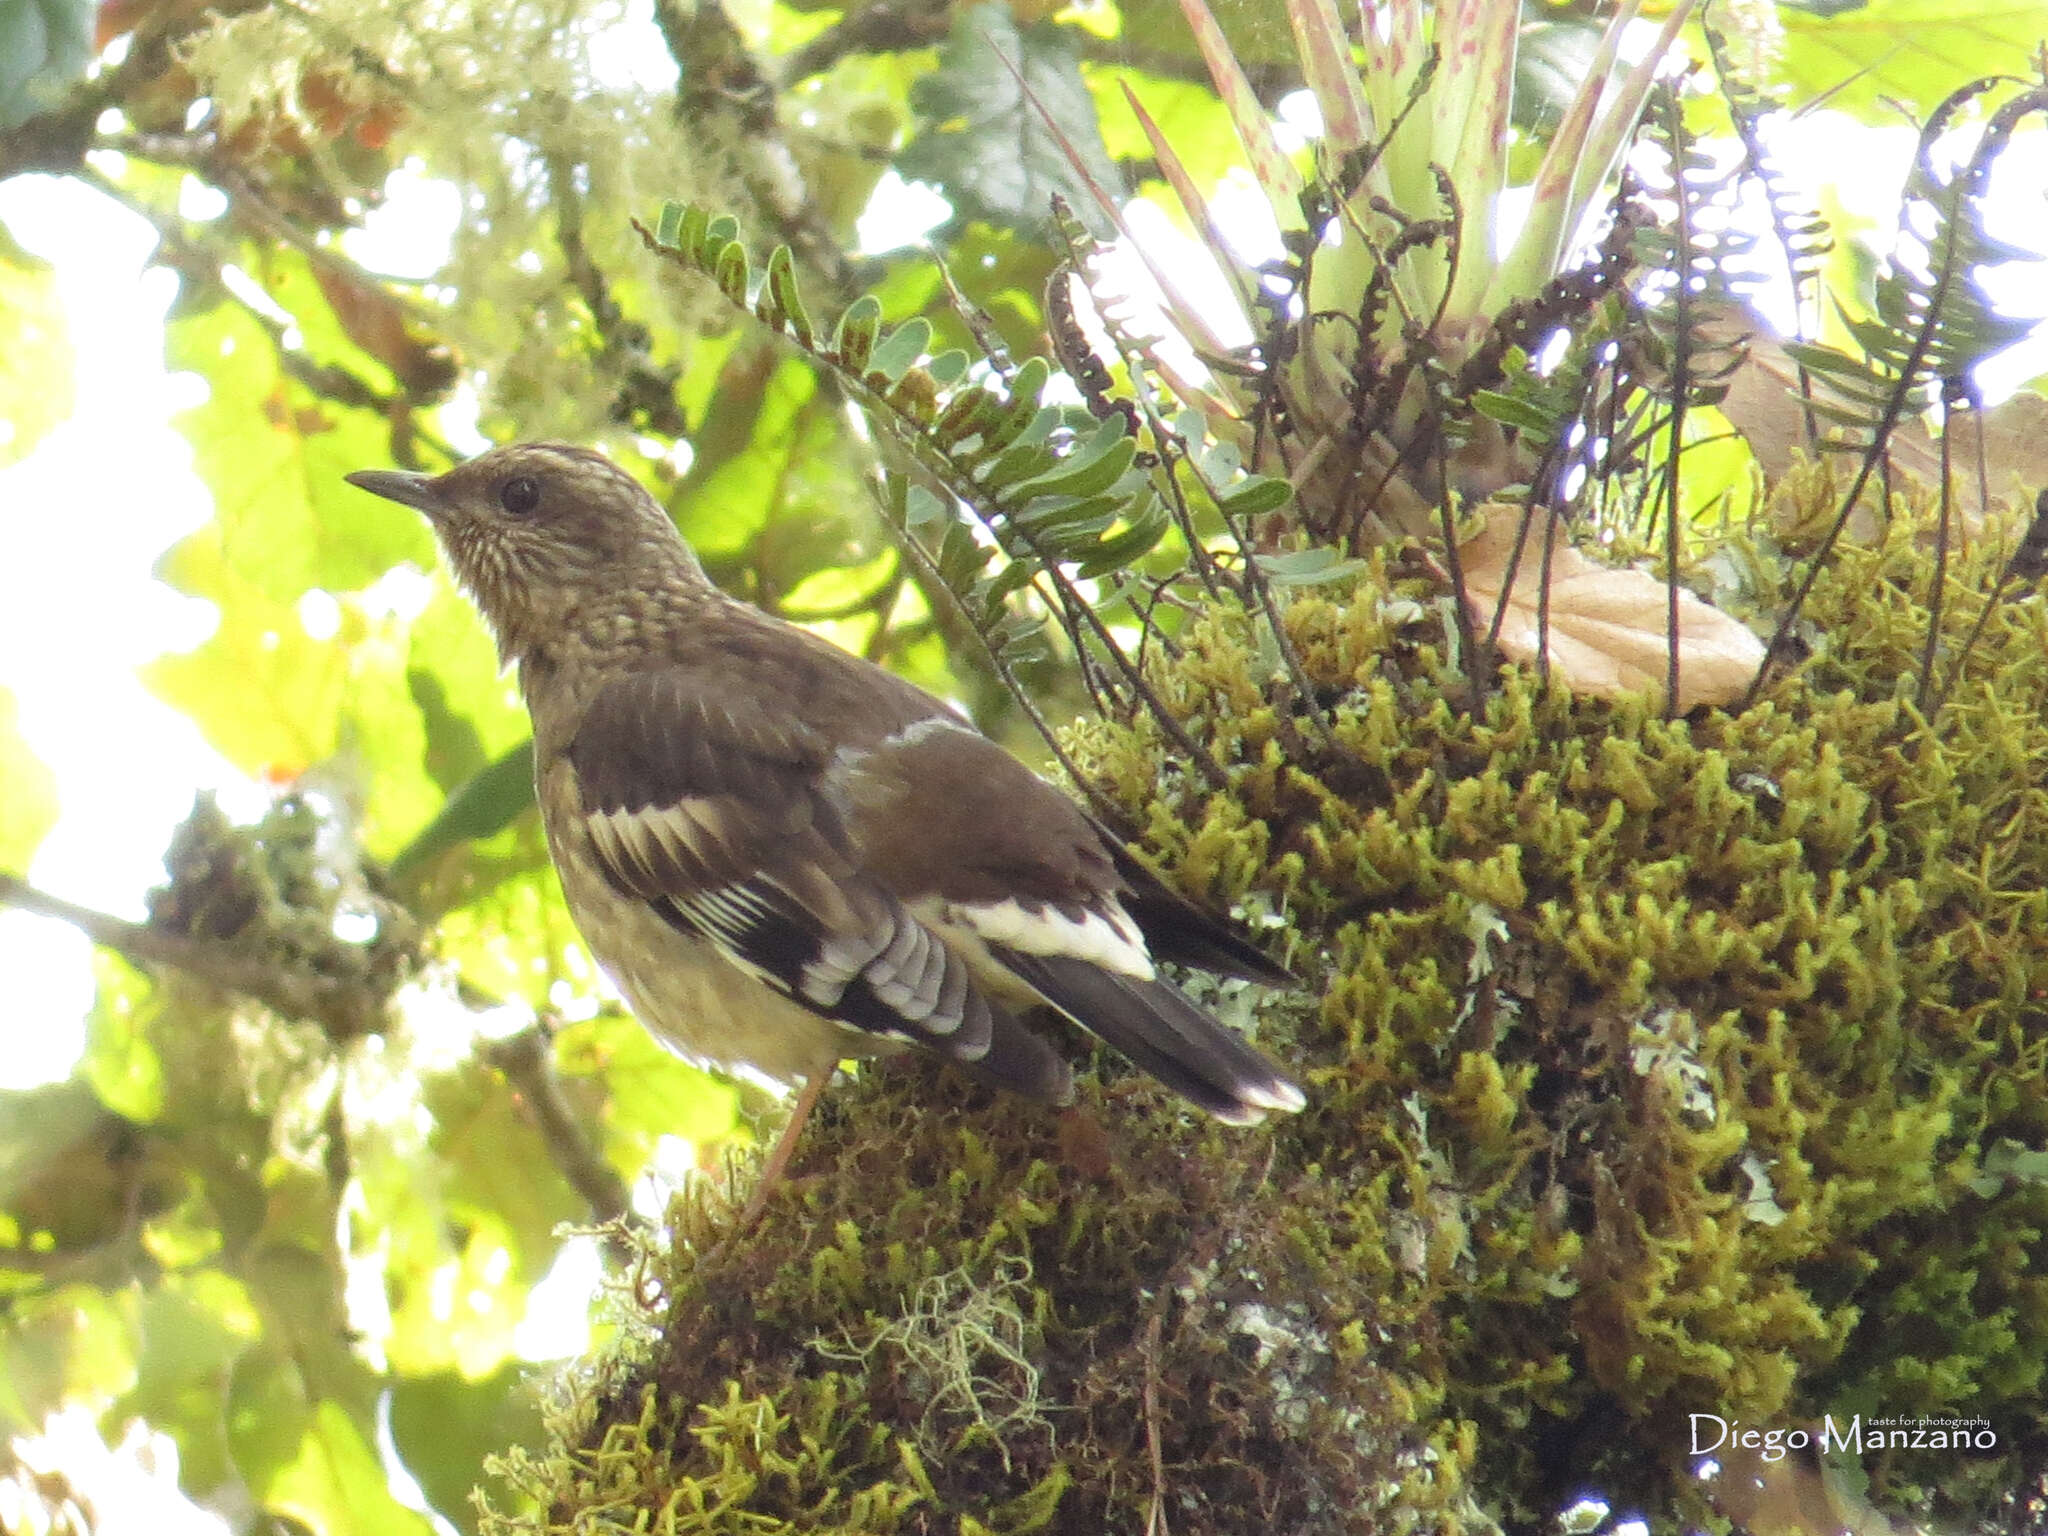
(702, 799)
(1011, 870)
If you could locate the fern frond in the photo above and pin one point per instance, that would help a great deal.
(1803, 236)
(1013, 504)
(1931, 322)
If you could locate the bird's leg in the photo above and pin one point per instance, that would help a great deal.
(785, 1144)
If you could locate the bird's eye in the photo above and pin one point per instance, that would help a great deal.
(519, 495)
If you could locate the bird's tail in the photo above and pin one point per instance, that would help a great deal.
(1164, 1032)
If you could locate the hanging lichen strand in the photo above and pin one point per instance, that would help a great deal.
(1660, 1067)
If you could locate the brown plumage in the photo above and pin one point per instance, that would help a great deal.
(785, 855)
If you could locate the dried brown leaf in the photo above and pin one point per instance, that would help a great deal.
(1607, 626)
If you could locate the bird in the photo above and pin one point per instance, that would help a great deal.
(784, 855)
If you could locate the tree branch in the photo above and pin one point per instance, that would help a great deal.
(199, 261)
(722, 80)
(342, 1009)
(345, 1011)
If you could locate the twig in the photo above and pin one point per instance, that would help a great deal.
(1479, 661)
(523, 1058)
(872, 29)
(189, 255)
(1937, 591)
(647, 394)
(1155, 1514)
(56, 141)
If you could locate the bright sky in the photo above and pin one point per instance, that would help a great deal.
(82, 519)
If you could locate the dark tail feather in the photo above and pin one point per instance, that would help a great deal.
(1164, 1033)
(1176, 929)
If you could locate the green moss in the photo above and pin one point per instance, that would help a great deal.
(1656, 1067)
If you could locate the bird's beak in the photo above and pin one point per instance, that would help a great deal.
(400, 485)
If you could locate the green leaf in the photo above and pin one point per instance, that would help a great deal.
(194, 1327)
(1092, 468)
(445, 1425)
(966, 413)
(1011, 578)
(776, 490)
(855, 342)
(36, 380)
(668, 228)
(1067, 522)
(267, 696)
(474, 1221)
(987, 145)
(1511, 412)
(44, 46)
(731, 273)
(922, 508)
(720, 231)
(1016, 464)
(274, 456)
(488, 802)
(306, 1458)
(121, 1062)
(28, 802)
(1147, 525)
(1308, 567)
(1257, 494)
(782, 291)
(1816, 358)
(905, 345)
(73, 1342)
(1874, 55)
(516, 894)
(648, 1093)
(1022, 411)
(961, 559)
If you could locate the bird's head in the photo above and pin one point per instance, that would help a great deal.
(540, 533)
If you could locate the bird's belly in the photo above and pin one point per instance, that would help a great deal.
(697, 1002)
